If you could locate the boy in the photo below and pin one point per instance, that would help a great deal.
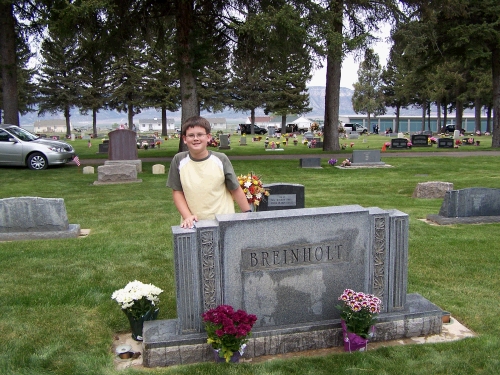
(203, 182)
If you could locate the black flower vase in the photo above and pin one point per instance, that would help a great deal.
(136, 324)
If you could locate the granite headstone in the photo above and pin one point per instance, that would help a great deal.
(224, 142)
(289, 267)
(283, 197)
(366, 157)
(122, 145)
(445, 143)
(399, 143)
(420, 140)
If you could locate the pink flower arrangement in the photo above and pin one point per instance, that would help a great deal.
(359, 310)
(228, 330)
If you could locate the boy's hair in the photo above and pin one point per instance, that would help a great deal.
(195, 121)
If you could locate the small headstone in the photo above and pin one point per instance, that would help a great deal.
(243, 141)
(283, 197)
(116, 174)
(224, 142)
(353, 135)
(445, 143)
(432, 189)
(103, 148)
(158, 169)
(29, 218)
(136, 162)
(456, 134)
(471, 202)
(122, 145)
(399, 143)
(88, 170)
(310, 163)
(420, 140)
(401, 135)
(272, 131)
(469, 206)
(366, 157)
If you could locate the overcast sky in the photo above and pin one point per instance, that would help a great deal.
(350, 66)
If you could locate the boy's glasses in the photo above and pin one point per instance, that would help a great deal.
(198, 135)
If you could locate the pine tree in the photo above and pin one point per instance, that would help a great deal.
(368, 96)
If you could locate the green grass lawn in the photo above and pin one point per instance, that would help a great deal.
(56, 312)
(169, 147)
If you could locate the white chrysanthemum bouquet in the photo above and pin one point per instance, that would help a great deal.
(137, 298)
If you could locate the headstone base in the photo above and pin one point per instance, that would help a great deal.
(73, 231)
(442, 220)
(136, 162)
(162, 346)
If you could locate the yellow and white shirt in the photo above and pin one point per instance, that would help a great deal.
(206, 183)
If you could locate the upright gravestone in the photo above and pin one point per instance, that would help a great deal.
(420, 140)
(122, 145)
(445, 143)
(289, 267)
(471, 205)
(366, 158)
(32, 218)
(272, 131)
(399, 143)
(283, 197)
(123, 149)
(224, 142)
(243, 141)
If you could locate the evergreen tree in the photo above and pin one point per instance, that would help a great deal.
(161, 83)
(58, 80)
(368, 97)
(127, 81)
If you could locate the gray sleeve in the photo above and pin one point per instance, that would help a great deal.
(231, 179)
(174, 177)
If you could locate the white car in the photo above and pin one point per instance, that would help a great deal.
(19, 147)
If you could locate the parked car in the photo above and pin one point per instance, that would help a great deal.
(356, 127)
(245, 128)
(19, 147)
(449, 128)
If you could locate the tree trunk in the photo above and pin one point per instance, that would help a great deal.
(164, 131)
(398, 112)
(252, 121)
(94, 123)
(429, 116)
(283, 124)
(8, 63)
(333, 73)
(189, 96)
(495, 58)
(488, 119)
(459, 111)
(424, 110)
(477, 114)
(67, 116)
(130, 116)
(445, 117)
(438, 121)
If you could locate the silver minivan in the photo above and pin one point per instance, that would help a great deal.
(19, 147)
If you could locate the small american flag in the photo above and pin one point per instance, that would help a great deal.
(76, 159)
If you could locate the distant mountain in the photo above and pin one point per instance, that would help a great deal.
(316, 97)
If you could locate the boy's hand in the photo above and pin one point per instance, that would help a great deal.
(188, 223)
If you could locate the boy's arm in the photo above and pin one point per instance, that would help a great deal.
(241, 199)
(188, 219)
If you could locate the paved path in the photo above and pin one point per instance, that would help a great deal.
(275, 156)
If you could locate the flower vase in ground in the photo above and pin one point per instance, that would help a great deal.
(235, 358)
(137, 324)
(138, 302)
(353, 342)
(227, 331)
(358, 311)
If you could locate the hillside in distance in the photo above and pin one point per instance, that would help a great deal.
(107, 118)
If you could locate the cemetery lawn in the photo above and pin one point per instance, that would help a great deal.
(370, 142)
(56, 312)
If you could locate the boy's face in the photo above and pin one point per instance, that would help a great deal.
(196, 139)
